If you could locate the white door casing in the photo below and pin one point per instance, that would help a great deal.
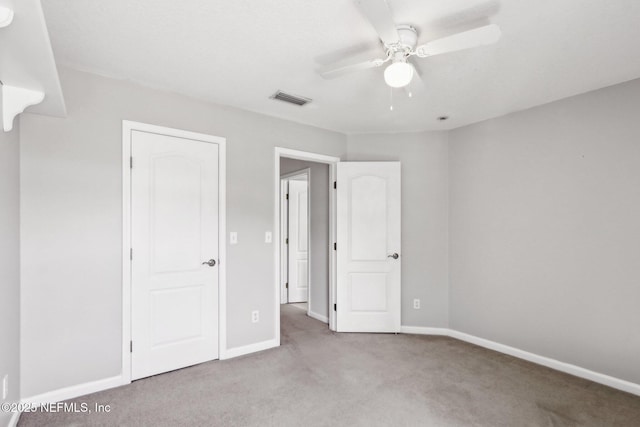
(174, 229)
(368, 236)
(284, 261)
(298, 248)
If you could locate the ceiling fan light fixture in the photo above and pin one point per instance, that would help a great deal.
(398, 74)
(6, 16)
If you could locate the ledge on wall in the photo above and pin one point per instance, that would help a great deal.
(29, 75)
(14, 101)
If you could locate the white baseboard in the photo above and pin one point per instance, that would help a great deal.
(107, 383)
(251, 348)
(76, 390)
(317, 316)
(422, 330)
(13, 421)
(568, 368)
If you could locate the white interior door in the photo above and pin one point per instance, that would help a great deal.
(298, 241)
(174, 231)
(368, 247)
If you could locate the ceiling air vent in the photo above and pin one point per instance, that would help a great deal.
(291, 99)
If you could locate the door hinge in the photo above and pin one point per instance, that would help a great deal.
(287, 196)
(131, 162)
(131, 253)
(335, 246)
(335, 307)
(130, 346)
(286, 285)
(335, 184)
(286, 241)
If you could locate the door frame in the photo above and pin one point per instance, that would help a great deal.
(127, 128)
(317, 158)
(284, 179)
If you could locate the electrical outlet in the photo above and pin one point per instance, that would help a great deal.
(5, 386)
(268, 238)
(233, 238)
(416, 304)
(255, 316)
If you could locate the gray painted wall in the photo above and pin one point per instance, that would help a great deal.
(9, 264)
(319, 230)
(71, 221)
(424, 217)
(545, 230)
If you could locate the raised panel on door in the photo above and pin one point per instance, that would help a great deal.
(368, 234)
(174, 229)
(176, 219)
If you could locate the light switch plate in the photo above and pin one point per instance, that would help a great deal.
(233, 238)
(268, 237)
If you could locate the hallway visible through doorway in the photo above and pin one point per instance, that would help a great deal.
(304, 236)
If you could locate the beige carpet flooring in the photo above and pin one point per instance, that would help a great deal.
(319, 378)
(300, 305)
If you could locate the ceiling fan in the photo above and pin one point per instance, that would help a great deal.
(401, 43)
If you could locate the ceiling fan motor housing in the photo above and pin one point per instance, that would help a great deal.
(408, 37)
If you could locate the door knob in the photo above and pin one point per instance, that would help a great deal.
(210, 263)
(394, 256)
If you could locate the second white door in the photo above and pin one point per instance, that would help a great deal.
(298, 241)
(368, 247)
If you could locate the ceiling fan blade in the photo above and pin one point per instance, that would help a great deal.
(488, 34)
(338, 70)
(379, 15)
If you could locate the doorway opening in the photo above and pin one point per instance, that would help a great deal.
(364, 211)
(305, 265)
(295, 236)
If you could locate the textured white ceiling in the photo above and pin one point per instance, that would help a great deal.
(238, 52)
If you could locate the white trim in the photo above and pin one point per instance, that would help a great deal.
(313, 157)
(222, 248)
(251, 348)
(305, 155)
(306, 172)
(421, 330)
(333, 258)
(76, 390)
(127, 128)
(13, 421)
(317, 316)
(281, 237)
(107, 383)
(309, 248)
(568, 368)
